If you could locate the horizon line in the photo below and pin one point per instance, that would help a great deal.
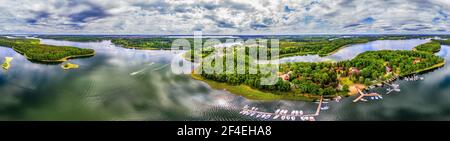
(302, 34)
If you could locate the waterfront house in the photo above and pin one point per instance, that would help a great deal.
(388, 69)
(354, 71)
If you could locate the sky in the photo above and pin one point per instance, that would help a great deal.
(279, 17)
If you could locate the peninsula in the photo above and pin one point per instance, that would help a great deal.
(34, 51)
(311, 80)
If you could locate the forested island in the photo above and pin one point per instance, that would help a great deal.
(444, 42)
(309, 81)
(430, 47)
(34, 51)
(74, 38)
(144, 43)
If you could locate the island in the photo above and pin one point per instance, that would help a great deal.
(328, 45)
(34, 51)
(309, 81)
(430, 47)
(144, 43)
(6, 64)
(443, 42)
(76, 38)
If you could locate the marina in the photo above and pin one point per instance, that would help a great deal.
(283, 114)
(293, 115)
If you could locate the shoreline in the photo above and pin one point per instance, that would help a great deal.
(255, 94)
(436, 66)
(139, 48)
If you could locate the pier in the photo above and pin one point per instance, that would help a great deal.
(362, 95)
(394, 87)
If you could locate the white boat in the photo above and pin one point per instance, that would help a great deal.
(380, 97)
(258, 115)
(293, 118)
(364, 100)
(283, 117)
(276, 116)
(302, 118)
(278, 110)
(372, 98)
(288, 117)
(376, 97)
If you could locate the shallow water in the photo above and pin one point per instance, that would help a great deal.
(126, 84)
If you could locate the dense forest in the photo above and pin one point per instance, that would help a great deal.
(144, 43)
(75, 38)
(325, 45)
(430, 47)
(321, 47)
(333, 78)
(33, 50)
(444, 42)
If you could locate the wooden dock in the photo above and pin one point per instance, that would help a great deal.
(362, 95)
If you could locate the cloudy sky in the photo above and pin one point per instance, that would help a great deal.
(224, 16)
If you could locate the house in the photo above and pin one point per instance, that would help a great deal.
(388, 69)
(417, 60)
(285, 76)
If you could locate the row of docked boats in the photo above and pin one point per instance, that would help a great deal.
(413, 78)
(279, 114)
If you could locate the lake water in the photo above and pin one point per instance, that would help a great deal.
(126, 84)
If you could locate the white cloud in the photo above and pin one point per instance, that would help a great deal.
(224, 16)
